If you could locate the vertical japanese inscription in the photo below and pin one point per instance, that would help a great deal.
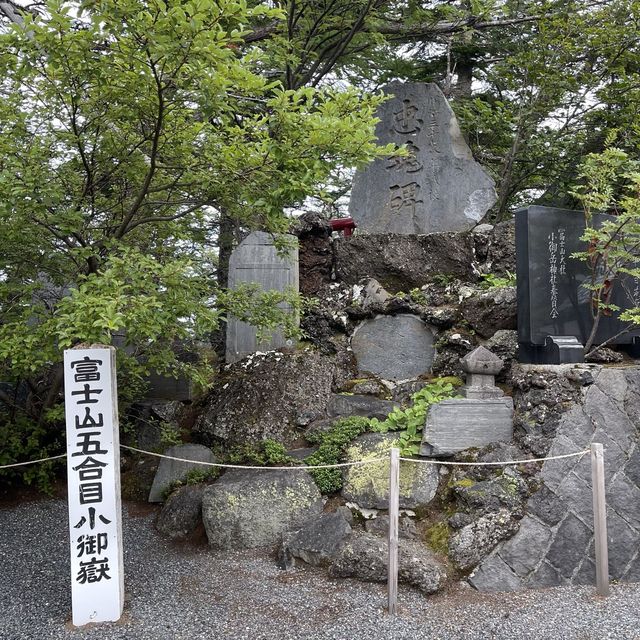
(93, 468)
(553, 274)
(404, 197)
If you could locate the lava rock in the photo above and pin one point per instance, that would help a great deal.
(473, 542)
(379, 526)
(368, 485)
(246, 509)
(451, 347)
(504, 343)
(365, 558)
(604, 355)
(319, 540)
(507, 490)
(404, 262)
(262, 396)
(182, 512)
(491, 310)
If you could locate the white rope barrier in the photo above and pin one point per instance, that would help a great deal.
(319, 466)
(497, 464)
(242, 466)
(24, 464)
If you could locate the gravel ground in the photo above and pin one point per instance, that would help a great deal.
(177, 591)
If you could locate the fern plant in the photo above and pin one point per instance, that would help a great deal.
(410, 420)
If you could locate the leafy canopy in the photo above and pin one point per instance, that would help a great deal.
(127, 129)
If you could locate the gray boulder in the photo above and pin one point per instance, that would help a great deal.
(182, 512)
(246, 509)
(170, 471)
(366, 558)
(359, 405)
(491, 310)
(262, 396)
(379, 526)
(319, 541)
(404, 262)
(368, 485)
(473, 542)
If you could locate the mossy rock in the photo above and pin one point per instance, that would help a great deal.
(368, 485)
(247, 509)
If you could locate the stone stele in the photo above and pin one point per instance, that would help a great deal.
(257, 261)
(437, 187)
(394, 347)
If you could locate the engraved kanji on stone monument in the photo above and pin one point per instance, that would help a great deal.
(438, 186)
(555, 309)
(256, 261)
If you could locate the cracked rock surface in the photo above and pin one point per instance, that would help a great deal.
(554, 543)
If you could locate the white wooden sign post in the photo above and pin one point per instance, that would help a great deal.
(93, 469)
(600, 519)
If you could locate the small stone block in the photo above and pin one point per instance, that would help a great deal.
(456, 425)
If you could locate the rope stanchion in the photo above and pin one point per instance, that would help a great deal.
(319, 466)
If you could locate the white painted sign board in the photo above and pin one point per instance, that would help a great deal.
(93, 470)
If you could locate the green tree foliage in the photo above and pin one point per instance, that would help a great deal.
(128, 129)
(611, 182)
(409, 421)
(537, 84)
(550, 80)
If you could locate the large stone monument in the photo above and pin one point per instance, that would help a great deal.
(483, 416)
(554, 308)
(437, 187)
(257, 261)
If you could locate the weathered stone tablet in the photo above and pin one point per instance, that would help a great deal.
(394, 347)
(257, 261)
(438, 187)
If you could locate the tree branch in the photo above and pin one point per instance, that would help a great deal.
(153, 155)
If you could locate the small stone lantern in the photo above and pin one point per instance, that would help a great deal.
(481, 367)
(482, 417)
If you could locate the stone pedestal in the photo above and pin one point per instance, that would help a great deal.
(483, 416)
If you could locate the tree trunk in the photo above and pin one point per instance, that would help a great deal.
(464, 71)
(226, 238)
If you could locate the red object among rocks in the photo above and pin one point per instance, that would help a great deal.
(344, 225)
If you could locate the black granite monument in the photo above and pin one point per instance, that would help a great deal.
(554, 308)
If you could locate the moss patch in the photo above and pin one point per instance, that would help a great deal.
(376, 476)
(437, 537)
